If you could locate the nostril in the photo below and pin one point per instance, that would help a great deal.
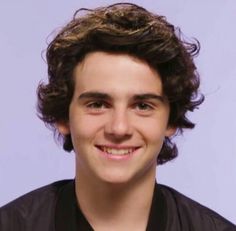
(117, 138)
(118, 128)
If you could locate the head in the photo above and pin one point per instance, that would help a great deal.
(122, 29)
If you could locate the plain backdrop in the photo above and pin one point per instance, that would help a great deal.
(29, 157)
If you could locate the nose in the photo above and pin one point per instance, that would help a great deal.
(119, 125)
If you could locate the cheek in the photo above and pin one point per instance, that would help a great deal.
(84, 127)
(153, 135)
(153, 130)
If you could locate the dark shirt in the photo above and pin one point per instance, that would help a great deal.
(70, 217)
(54, 208)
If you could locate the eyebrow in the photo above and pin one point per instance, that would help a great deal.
(149, 96)
(104, 96)
(95, 95)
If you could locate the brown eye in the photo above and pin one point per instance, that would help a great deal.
(96, 105)
(143, 106)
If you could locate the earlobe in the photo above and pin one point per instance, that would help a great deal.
(170, 131)
(63, 128)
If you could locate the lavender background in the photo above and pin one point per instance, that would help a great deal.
(206, 167)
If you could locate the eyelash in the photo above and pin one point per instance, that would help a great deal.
(144, 106)
(100, 106)
(97, 105)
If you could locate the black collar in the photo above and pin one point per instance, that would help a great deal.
(68, 215)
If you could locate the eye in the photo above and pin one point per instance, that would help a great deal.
(142, 106)
(96, 105)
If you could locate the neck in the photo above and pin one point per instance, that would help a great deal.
(107, 205)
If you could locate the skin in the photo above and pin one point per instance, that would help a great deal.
(118, 107)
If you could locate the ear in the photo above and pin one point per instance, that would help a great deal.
(63, 127)
(170, 131)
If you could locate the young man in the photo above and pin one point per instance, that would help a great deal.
(121, 81)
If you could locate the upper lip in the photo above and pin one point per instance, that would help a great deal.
(118, 147)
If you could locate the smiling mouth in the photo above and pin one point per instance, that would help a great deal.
(117, 151)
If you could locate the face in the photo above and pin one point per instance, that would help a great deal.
(117, 118)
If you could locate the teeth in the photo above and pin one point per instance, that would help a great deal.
(113, 151)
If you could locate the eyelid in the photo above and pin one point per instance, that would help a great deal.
(149, 103)
(146, 97)
(147, 110)
(91, 104)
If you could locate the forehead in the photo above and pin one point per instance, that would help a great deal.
(116, 73)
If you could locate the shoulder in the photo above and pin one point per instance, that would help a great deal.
(192, 214)
(37, 205)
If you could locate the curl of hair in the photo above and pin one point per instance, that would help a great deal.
(130, 29)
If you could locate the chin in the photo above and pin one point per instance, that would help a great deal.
(116, 179)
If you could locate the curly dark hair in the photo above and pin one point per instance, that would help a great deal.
(129, 29)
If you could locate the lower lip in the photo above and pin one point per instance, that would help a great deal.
(117, 157)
